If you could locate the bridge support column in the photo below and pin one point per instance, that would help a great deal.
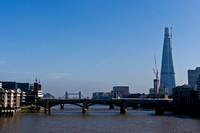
(84, 108)
(61, 106)
(47, 109)
(123, 108)
(111, 106)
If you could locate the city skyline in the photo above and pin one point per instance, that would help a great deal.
(92, 46)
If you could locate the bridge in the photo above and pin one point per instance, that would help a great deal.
(160, 105)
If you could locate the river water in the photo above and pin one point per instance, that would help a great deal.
(98, 119)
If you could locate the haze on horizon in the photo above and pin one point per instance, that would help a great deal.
(91, 46)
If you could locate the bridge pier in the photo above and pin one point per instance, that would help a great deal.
(84, 108)
(111, 106)
(123, 108)
(47, 109)
(61, 106)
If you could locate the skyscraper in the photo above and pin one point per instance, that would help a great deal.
(167, 81)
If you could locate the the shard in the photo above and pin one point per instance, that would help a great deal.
(167, 81)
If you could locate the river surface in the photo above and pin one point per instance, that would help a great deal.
(98, 119)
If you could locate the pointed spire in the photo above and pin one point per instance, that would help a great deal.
(166, 32)
(36, 79)
(167, 78)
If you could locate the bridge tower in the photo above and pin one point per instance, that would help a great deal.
(66, 95)
(79, 95)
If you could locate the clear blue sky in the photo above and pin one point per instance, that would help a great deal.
(93, 45)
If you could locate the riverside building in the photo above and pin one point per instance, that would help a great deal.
(193, 76)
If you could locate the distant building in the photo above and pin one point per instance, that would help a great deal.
(167, 81)
(38, 89)
(120, 91)
(10, 85)
(185, 94)
(32, 91)
(7, 85)
(155, 90)
(23, 86)
(151, 91)
(193, 76)
(198, 83)
(48, 96)
(137, 95)
(101, 96)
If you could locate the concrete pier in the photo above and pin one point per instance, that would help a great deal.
(123, 108)
(61, 106)
(8, 112)
(47, 109)
(111, 106)
(85, 107)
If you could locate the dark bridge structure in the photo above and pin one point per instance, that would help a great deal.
(160, 105)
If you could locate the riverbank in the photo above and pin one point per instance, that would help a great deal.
(9, 112)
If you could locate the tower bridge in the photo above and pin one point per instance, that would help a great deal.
(160, 105)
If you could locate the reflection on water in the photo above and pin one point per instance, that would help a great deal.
(98, 119)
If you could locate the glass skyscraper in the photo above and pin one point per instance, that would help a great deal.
(167, 81)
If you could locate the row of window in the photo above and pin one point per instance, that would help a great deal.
(9, 97)
(8, 105)
(9, 101)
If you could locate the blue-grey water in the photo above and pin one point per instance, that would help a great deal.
(99, 119)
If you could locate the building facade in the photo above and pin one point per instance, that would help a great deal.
(101, 96)
(120, 91)
(38, 89)
(167, 69)
(193, 76)
(185, 94)
(11, 98)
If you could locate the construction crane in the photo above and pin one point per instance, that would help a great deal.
(156, 69)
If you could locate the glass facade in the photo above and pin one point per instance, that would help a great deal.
(167, 68)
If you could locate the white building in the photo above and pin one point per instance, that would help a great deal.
(10, 98)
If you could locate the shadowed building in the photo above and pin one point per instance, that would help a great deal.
(167, 81)
(193, 76)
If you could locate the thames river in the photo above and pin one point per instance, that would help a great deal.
(99, 119)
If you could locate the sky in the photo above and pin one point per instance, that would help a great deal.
(93, 45)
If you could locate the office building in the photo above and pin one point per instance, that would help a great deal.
(10, 85)
(151, 91)
(185, 94)
(193, 76)
(120, 91)
(101, 96)
(167, 81)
